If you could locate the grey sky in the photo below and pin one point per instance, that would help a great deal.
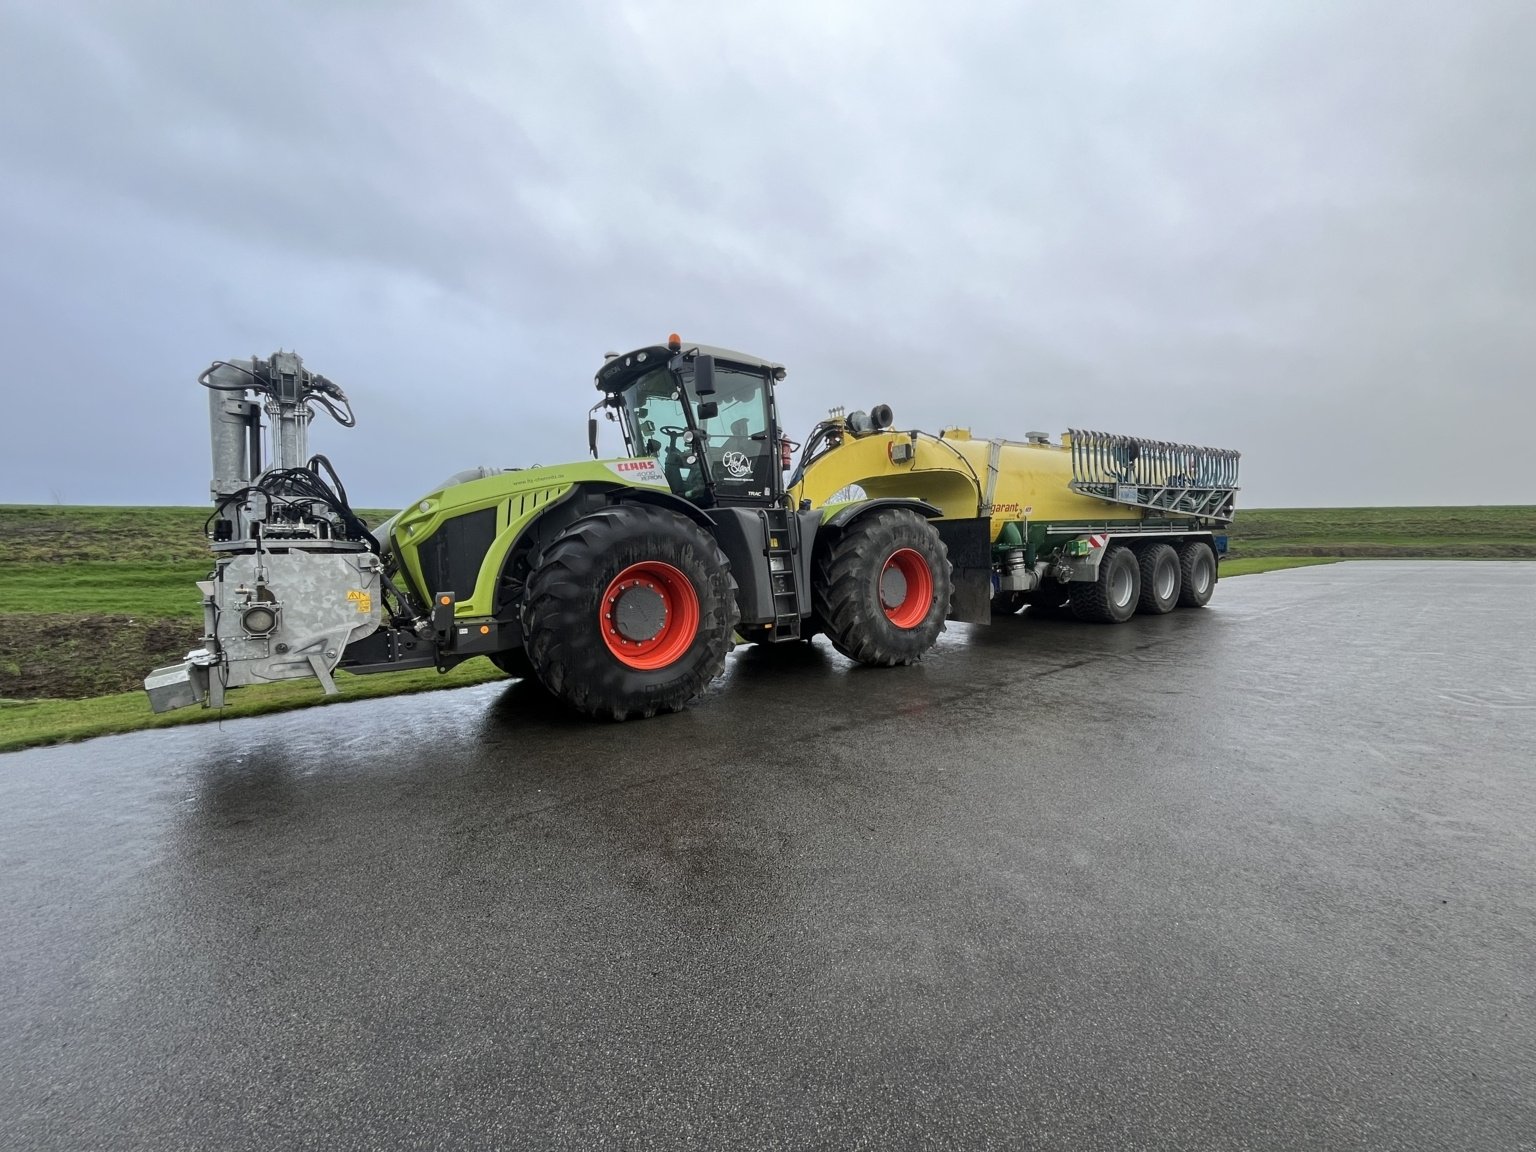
(1303, 230)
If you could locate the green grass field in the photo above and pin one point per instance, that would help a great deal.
(92, 598)
(1487, 532)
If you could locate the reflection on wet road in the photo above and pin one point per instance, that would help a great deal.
(1259, 876)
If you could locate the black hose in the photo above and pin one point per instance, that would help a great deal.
(204, 379)
(295, 486)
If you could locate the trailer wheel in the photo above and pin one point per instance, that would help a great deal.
(1160, 579)
(1111, 599)
(1197, 574)
(515, 663)
(629, 612)
(882, 589)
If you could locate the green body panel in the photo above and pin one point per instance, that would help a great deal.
(1041, 536)
(518, 497)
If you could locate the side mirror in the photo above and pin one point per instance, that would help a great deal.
(592, 435)
(708, 410)
(704, 375)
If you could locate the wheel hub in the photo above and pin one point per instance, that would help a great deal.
(906, 588)
(1120, 587)
(640, 613)
(649, 615)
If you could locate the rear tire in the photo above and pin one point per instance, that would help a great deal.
(1111, 599)
(1197, 574)
(883, 588)
(1160, 579)
(629, 612)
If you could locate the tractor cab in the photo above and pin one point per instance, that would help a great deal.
(707, 416)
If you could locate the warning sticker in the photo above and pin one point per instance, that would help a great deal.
(363, 601)
(642, 471)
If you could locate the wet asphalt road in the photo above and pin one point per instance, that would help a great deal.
(1260, 876)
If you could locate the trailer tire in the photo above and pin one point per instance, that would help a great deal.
(515, 663)
(1161, 579)
(610, 660)
(882, 589)
(1197, 574)
(1111, 599)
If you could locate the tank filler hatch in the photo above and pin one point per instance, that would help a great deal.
(1175, 479)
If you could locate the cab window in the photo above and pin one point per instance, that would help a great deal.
(741, 456)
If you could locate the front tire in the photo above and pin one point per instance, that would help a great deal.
(629, 612)
(882, 589)
(1111, 599)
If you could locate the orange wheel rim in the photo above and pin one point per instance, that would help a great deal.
(649, 615)
(906, 588)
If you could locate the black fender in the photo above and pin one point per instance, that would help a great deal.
(851, 512)
(656, 498)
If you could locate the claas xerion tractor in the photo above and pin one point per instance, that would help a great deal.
(619, 584)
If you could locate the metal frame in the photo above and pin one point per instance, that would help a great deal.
(1179, 479)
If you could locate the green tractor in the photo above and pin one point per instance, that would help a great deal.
(619, 585)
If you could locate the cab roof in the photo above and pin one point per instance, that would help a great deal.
(620, 370)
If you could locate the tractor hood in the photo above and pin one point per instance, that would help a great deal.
(453, 538)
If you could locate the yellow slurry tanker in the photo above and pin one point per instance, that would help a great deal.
(1104, 524)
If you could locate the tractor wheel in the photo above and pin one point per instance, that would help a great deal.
(882, 589)
(1160, 581)
(1111, 599)
(1008, 603)
(515, 663)
(1197, 574)
(629, 612)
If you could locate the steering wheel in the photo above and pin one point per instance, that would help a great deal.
(672, 434)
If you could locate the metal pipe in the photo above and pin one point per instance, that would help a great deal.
(230, 420)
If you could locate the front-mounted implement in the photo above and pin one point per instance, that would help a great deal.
(296, 574)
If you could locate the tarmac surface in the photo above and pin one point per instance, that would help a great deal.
(1258, 876)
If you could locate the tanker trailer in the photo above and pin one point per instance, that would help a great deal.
(1099, 525)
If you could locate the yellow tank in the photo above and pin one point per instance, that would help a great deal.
(956, 473)
(1039, 522)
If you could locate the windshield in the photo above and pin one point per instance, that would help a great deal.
(740, 456)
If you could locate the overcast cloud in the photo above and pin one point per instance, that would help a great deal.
(1303, 230)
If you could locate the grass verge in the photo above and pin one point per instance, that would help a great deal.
(31, 723)
(1253, 565)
